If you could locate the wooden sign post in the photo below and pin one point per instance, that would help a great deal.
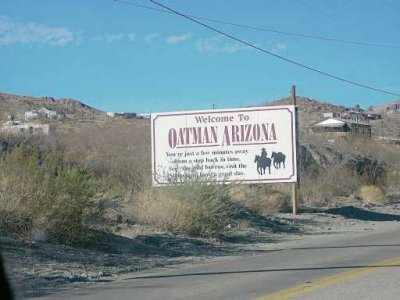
(295, 185)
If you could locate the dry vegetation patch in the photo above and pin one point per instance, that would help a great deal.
(195, 208)
(265, 199)
(372, 194)
(39, 192)
(106, 166)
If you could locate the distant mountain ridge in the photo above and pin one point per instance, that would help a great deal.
(17, 105)
(69, 102)
(310, 105)
(63, 101)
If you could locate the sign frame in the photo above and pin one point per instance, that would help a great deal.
(290, 109)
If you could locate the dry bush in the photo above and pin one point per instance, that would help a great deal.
(264, 198)
(369, 169)
(372, 194)
(195, 208)
(39, 193)
(331, 182)
(163, 211)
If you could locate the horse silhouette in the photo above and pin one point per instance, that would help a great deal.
(262, 164)
(278, 159)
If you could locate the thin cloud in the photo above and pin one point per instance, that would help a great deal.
(34, 33)
(116, 37)
(149, 39)
(279, 48)
(218, 44)
(176, 39)
(111, 38)
(131, 36)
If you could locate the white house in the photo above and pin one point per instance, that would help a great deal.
(328, 115)
(15, 127)
(34, 114)
(143, 116)
(341, 127)
(52, 114)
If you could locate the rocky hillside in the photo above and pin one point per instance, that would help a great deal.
(16, 106)
(389, 127)
(311, 111)
(388, 107)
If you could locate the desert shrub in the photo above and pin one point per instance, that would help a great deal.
(263, 198)
(70, 210)
(331, 182)
(39, 192)
(372, 194)
(195, 208)
(370, 169)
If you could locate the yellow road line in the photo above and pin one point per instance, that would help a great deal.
(304, 288)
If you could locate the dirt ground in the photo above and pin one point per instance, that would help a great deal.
(38, 269)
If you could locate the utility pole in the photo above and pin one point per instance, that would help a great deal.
(295, 185)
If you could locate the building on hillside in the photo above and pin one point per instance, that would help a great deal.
(326, 115)
(335, 127)
(143, 116)
(128, 115)
(51, 114)
(16, 127)
(123, 115)
(359, 116)
(43, 112)
(369, 115)
(32, 114)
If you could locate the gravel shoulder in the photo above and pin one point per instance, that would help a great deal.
(38, 269)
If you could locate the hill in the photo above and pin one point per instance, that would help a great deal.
(16, 106)
(311, 111)
(388, 107)
(389, 127)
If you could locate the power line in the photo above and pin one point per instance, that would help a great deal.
(281, 32)
(275, 55)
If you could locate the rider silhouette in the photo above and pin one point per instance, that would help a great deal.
(263, 154)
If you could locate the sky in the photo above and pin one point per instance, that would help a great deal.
(123, 58)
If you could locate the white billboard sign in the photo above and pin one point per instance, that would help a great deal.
(249, 145)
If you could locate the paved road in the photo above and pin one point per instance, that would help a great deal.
(344, 268)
